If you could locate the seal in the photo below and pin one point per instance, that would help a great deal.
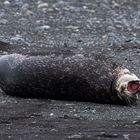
(68, 76)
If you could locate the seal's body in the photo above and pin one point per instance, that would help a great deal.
(63, 77)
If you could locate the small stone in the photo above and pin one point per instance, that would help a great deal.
(18, 39)
(29, 13)
(51, 114)
(126, 136)
(104, 36)
(72, 27)
(3, 21)
(93, 111)
(134, 122)
(85, 7)
(42, 29)
(74, 136)
(25, 9)
(6, 2)
(115, 5)
(43, 6)
(34, 122)
(54, 130)
(9, 137)
(75, 115)
(4, 53)
(3, 102)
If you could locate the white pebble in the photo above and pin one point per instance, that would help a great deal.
(43, 5)
(74, 136)
(6, 2)
(51, 114)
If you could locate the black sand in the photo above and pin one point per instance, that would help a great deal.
(109, 27)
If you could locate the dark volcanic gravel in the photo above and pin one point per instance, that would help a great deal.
(110, 27)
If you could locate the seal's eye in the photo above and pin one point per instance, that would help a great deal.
(133, 86)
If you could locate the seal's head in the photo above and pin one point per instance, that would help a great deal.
(127, 86)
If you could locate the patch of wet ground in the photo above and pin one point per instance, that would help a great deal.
(109, 27)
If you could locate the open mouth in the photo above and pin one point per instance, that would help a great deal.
(127, 86)
(133, 87)
(129, 91)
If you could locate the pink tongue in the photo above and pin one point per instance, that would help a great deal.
(133, 87)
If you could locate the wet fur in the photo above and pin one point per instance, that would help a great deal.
(61, 77)
(60, 73)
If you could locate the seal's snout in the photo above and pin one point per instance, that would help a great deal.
(127, 86)
(133, 87)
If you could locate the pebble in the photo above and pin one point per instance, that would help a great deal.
(18, 39)
(76, 136)
(42, 29)
(6, 2)
(43, 6)
(126, 136)
(25, 9)
(51, 114)
(3, 21)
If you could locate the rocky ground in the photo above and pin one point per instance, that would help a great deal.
(110, 27)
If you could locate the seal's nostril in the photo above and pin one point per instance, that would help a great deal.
(133, 86)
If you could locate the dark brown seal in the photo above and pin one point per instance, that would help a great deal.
(66, 76)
